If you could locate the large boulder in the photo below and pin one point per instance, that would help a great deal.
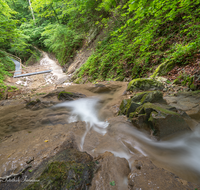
(130, 105)
(160, 120)
(148, 96)
(144, 84)
(69, 169)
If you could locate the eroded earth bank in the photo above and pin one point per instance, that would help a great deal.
(110, 135)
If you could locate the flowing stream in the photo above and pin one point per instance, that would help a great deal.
(84, 110)
(181, 154)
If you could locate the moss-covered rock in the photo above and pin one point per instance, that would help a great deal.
(38, 104)
(130, 105)
(70, 169)
(144, 84)
(64, 175)
(124, 106)
(148, 96)
(127, 106)
(79, 81)
(193, 87)
(159, 119)
(69, 95)
(63, 94)
(119, 78)
(191, 84)
(164, 68)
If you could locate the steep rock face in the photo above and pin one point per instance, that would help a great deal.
(144, 84)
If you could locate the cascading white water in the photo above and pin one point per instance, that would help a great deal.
(85, 110)
(182, 151)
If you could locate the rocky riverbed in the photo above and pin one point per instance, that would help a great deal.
(142, 134)
(123, 153)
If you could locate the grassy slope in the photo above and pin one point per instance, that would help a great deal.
(144, 39)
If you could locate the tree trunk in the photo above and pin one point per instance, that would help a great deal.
(31, 10)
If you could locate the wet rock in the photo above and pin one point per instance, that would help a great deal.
(69, 96)
(100, 88)
(100, 85)
(159, 120)
(112, 173)
(149, 176)
(188, 102)
(144, 84)
(57, 162)
(53, 93)
(38, 104)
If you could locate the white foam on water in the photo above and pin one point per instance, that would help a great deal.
(85, 110)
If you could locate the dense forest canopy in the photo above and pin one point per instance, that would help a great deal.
(139, 34)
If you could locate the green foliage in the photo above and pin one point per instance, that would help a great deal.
(112, 183)
(35, 57)
(34, 32)
(138, 34)
(64, 175)
(22, 12)
(150, 33)
(6, 65)
(62, 40)
(12, 39)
